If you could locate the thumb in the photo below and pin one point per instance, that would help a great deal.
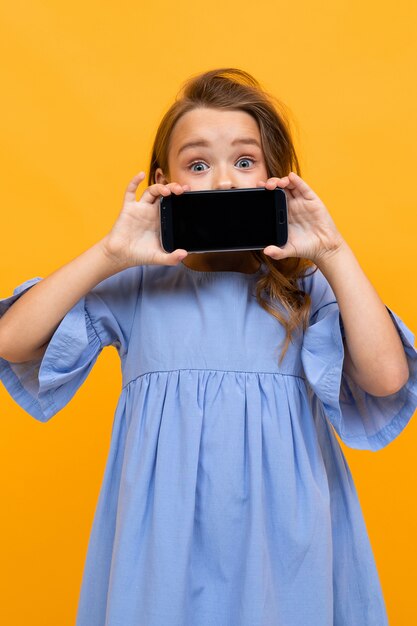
(175, 257)
(277, 253)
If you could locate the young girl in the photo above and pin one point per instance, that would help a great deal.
(226, 498)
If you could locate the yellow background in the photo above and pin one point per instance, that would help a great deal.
(84, 85)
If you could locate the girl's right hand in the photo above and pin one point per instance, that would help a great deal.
(135, 237)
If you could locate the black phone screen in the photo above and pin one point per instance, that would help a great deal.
(233, 219)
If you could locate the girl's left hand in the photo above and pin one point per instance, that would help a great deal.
(312, 234)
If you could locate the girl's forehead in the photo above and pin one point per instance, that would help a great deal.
(212, 125)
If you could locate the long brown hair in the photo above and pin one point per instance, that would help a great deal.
(277, 290)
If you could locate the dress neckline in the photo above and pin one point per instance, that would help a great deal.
(258, 272)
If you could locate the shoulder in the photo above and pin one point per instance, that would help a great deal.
(127, 280)
(118, 292)
(111, 306)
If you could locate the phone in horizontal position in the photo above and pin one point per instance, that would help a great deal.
(223, 220)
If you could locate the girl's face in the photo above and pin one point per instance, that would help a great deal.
(215, 149)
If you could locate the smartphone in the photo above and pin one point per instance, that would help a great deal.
(224, 220)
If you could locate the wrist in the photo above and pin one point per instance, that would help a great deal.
(331, 259)
(342, 271)
(111, 261)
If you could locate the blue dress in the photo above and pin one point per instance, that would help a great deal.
(226, 498)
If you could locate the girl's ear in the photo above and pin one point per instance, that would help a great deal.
(160, 177)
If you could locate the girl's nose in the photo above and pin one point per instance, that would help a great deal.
(224, 179)
(224, 184)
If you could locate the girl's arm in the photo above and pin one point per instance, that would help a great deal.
(374, 355)
(27, 327)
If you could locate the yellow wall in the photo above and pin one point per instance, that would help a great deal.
(84, 85)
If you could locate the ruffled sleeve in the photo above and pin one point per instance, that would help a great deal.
(361, 420)
(103, 317)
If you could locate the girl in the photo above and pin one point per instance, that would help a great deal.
(226, 499)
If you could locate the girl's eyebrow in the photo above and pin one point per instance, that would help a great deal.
(202, 143)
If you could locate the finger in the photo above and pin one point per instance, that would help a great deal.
(296, 183)
(176, 188)
(130, 194)
(271, 183)
(152, 193)
(274, 182)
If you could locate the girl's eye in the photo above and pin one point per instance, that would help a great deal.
(245, 162)
(198, 166)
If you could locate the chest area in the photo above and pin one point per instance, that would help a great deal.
(208, 324)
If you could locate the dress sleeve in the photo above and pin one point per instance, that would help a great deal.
(101, 318)
(362, 421)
